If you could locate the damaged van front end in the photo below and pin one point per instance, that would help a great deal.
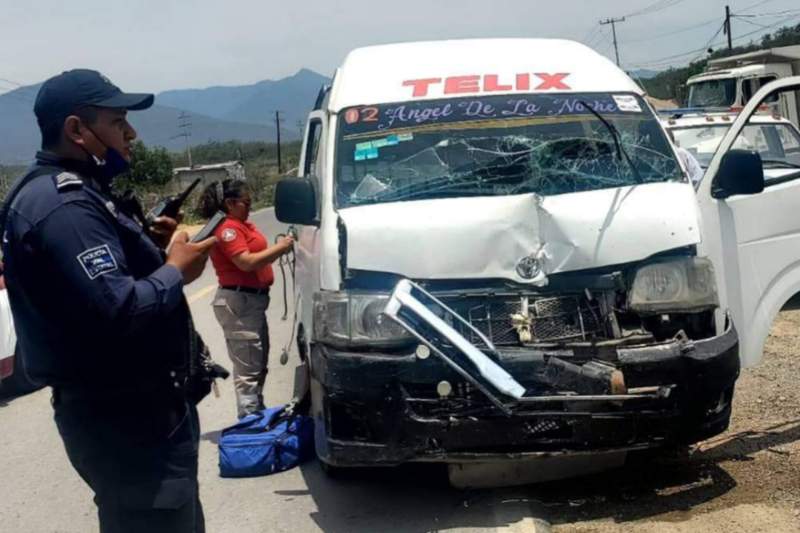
(501, 266)
(534, 326)
(481, 374)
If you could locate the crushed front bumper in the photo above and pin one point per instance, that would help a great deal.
(389, 408)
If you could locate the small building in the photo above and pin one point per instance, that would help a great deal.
(183, 176)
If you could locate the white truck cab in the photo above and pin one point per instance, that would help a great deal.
(500, 256)
(730, 82)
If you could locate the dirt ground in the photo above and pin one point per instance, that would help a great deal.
(747, 479)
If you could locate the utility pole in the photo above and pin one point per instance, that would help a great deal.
(278, 130)
(185, 124)
(613, 22)
(727, 27)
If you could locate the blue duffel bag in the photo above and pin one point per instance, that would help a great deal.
(269, 441)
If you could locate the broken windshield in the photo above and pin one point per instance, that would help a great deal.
(498, 145)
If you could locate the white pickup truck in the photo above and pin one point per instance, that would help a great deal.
(499, 256)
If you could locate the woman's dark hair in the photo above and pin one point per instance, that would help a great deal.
(214, 195)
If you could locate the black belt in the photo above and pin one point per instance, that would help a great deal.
(249, 290)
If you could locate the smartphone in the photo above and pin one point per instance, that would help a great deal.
(211, 225)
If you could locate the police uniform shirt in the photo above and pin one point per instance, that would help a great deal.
(93, 301)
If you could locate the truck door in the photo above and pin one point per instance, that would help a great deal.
(753, 238)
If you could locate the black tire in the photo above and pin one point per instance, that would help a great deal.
(332, 472)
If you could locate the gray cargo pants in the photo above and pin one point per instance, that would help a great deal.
(243, 319)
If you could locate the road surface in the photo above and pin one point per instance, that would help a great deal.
(723, 488)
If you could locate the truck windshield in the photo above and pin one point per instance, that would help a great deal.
(712, 93)
(498, 145)
(778, 144)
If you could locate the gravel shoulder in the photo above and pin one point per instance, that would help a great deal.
(747, 479)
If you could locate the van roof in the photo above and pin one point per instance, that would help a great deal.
(441, 69)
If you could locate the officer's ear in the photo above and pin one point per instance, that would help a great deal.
(74, 130)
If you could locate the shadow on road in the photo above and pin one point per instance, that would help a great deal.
(648, 485)
(743, 445)
(212, 436)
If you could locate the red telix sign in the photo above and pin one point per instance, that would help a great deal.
(488, 83)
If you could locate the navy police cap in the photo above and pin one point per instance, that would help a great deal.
(62, 95)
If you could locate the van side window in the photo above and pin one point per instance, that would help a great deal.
(312, 148)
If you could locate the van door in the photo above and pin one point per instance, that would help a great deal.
(753, 239)
(307, 248)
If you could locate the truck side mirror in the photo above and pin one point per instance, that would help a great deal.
(296, 202)
(740, 172)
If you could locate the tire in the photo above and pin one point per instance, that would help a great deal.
(332, 472)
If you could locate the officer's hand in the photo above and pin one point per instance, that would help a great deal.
(162, 229)
(189, 257)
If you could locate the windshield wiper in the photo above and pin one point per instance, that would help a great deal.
(617, 142)
(779, 163)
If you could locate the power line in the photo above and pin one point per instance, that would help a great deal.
(768, 15)
(675, 32)
(682, 54)
(754, 24)
(739, 38)
(654, 8)
(748, 8)
(771, 26)
(601, 36)
(590, 35)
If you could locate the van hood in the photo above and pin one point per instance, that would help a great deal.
(523, 238)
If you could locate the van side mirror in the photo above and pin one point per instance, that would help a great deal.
(296, 202)
(740, 172)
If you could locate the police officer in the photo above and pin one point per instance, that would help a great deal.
(100, 311)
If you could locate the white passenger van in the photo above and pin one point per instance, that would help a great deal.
(499, 256)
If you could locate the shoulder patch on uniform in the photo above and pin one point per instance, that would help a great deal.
(228, 234)
(67, 181)
(97, 261)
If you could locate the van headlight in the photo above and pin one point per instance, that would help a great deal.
(355, 319)
(685, 284)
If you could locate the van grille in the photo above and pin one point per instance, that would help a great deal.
(561, 318)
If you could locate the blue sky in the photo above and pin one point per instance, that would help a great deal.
(154, 45)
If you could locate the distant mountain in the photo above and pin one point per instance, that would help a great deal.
(158, 126)
(19, 134)
(243, 113)
(254, 104)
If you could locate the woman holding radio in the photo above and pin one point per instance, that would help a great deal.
(242, 259)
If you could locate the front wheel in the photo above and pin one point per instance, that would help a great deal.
(332, 472)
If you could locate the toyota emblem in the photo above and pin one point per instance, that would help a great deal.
(529, 267)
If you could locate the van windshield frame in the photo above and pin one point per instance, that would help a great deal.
(498, 145)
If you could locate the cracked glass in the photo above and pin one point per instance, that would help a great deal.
(498, 145)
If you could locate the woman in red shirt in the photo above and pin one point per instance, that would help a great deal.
(242, 259)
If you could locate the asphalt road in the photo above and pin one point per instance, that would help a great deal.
(40, 492)
(715, 490)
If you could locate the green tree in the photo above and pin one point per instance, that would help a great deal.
(149, 166)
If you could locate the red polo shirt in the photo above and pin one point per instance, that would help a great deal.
(233, 238)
